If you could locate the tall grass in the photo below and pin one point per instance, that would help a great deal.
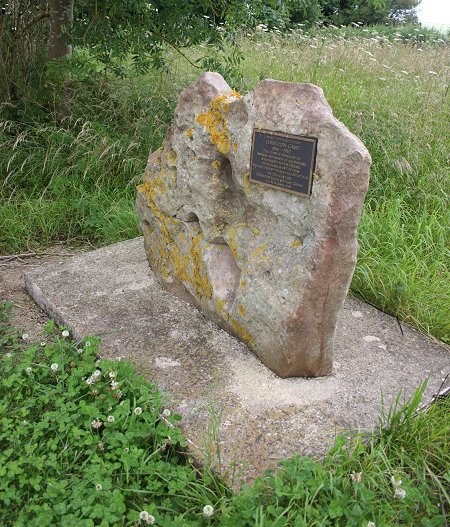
(390, 87)
(75, 180)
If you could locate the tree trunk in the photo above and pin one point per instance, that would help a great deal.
(61, 16)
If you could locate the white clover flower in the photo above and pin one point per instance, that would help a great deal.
(112, 374)
(42, 343)
(166, 412)
(208, 511)
(99, 486)
(89, 380)
(25, 336)
(80, 350)
(8, 355)
(96, 374)
(111, 419)
(138, 410)
(87, 344)
(96, 423)
(114, 385)
(371, 524)
(396, 483)
(399, 493)
(54, 367)
(28, 370)
(356, 477)
(65, 334)
(126, 450)
(144, 516)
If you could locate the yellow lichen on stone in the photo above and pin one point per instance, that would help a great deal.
(214, 120)
(171, 157)
(200, 278)
(244, 283)
(246, 182)
(235, 146)
(241, 332)
(232, 242)
(257, 252)
(255, 231)
(242, 310)
(296, 243)
(189, 132)
(215, 164)
(220, 304)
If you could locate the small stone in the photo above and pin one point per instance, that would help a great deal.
(357, 314)
(270, 267)
(371, 338)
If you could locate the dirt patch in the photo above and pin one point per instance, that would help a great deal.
(28, 317)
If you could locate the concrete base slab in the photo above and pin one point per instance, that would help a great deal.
(222, 390)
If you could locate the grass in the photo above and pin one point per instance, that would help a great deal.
(58, 467)
(389, 86)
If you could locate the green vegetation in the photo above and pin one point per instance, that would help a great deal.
(87, 442)
(74, 180)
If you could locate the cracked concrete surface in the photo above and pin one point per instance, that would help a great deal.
(220, 388)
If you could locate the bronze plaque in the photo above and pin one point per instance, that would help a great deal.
(283, 161)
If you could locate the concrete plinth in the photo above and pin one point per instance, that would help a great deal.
(260, 418)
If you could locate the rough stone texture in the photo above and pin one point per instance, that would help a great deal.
(261, 419)
(269, 267)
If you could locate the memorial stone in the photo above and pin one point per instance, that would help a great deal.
(250, 211)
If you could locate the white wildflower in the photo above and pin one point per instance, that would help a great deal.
(28, 370)
(399, 493)
(87, 344)
(126, 450)
(114, 385)
(208, 511)
(96, 423)
(138, 410)
(396, 483)
(371, 524)
(8, 355)
(97, 374)
(42, 343)
(89, 381)
(65, 334)
(99, 486)
(144, 516)
(112, 374)
(25, 336)
(166, 412)
(110, 419)
(54, 367)
(356, 477)
(80, 350)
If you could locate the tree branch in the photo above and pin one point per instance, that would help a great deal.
(37, 18)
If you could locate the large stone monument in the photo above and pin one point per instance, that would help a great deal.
(250, 210)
